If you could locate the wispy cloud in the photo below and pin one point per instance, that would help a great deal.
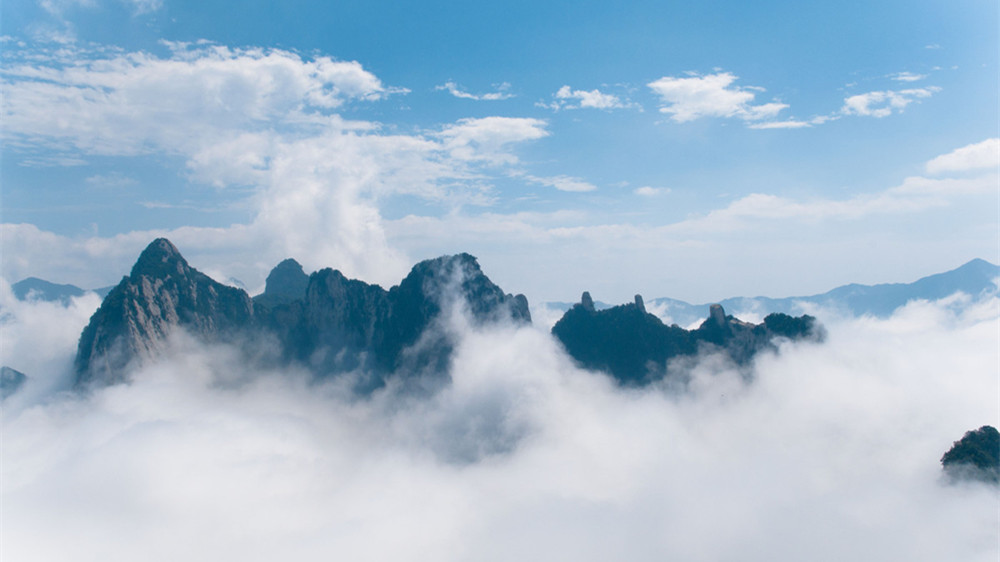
(562, 183)
(568, 98)
(649, 191)
(114, 180)
(885, 103)
(908, 77)
(501, 93)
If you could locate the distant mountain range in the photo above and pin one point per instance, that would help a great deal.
(35, 288)
(975, 278)
(329, 324)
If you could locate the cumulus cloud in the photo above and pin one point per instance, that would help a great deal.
(711, 95)
(568, 98)
(977, 156)
(125, 104)
(886, 102)
(263, 119)
(454, 89)
(831, 453)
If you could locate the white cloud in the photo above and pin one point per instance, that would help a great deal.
(59, 7)
(831, 453)
(711, 95)
(977, 156)
(487, 138)
(647, 191)
(454, 89)
(884, 103)
(908, 77)
(790, 124)
(135, 103)
(264, 119)
(568, 98)
(563, 183)
(114, 180)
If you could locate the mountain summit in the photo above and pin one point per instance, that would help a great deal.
(634, 346)
(161, 293)
(324, 322)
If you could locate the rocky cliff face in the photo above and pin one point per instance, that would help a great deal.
(325, 322)
(343, 324)
(634, 346)
(161, 293)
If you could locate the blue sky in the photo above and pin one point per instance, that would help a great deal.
(691, 150)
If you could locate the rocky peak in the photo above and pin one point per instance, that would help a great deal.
(718, 315)
(162, 293)
(634, 346)
(287, 282)
(587, 302)
(160, 259)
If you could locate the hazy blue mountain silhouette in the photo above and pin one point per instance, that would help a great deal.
(35, 288)
(11, 380)
(975, 278)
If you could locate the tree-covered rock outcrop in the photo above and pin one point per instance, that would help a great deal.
(976, 456)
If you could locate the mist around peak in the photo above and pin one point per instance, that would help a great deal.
(830, 453)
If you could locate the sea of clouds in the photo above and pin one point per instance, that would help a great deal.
(831, 452)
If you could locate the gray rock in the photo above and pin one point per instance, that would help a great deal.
(161, 293)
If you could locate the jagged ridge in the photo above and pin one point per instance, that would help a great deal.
(634, 346)
(325, 322)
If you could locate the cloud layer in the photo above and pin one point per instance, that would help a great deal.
(830, 454)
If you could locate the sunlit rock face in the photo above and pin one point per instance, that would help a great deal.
(324, 322)
(634, 346)
(162, 292)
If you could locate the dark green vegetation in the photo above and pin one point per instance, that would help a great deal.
(976, 456)
(323, 322)
(634, 346)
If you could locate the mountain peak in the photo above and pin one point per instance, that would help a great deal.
(286, 282)
(161, 257)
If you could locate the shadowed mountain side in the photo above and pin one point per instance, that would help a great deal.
(324, 322)
(11, 380)
(286, 283)
(343, 324)
(634, 346)
(161, 292)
